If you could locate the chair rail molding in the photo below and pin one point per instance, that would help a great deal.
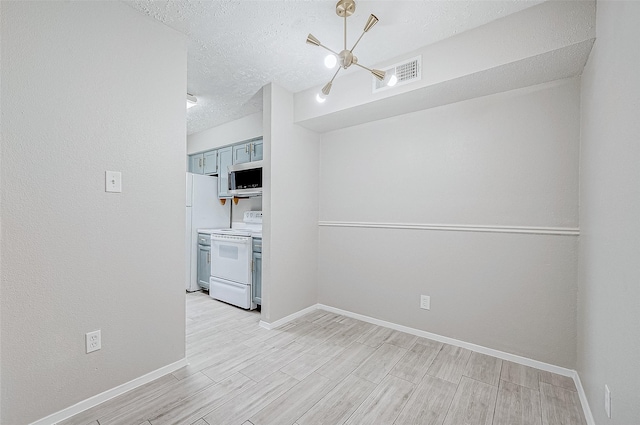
(532, 230)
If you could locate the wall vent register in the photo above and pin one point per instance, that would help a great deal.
(405, 72)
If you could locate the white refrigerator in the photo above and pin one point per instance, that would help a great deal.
(204, 211)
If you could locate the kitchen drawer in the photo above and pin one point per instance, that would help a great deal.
(257, 245)
(204, 239)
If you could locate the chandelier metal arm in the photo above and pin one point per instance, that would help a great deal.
(357, 41)
(376, 73)
(327, 88)
(326, 48)
(345, 31)
(363, 67)
(334, 75)
(370, 23)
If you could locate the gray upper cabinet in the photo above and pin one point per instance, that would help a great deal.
(248, 151)
(225, 158)
(242, 153)
(216, 161)
(210, 162)
(196, 163)
(256, 150)
(204, 163)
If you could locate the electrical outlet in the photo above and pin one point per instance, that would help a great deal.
(94, 341)
(425, 302)
(607, 401)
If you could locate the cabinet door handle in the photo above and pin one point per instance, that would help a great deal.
(204, 161)
(199, 162)
(246, 148)
(208, 257)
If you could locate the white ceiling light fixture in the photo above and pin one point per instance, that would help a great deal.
(191, 100)
(346, 58)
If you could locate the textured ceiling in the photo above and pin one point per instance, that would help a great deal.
(236, 47)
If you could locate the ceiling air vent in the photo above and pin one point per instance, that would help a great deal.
(406, 72)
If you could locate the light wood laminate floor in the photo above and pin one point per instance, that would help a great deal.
(329, 369)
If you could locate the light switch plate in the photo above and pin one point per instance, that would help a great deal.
(113, 181)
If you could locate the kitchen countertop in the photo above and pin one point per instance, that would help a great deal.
(255, 235)
(209, 231)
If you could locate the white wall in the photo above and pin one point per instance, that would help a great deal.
(236, 131)
(507, 160)
(245, 204)
(290, 206)
(609, 271)
(92, 86)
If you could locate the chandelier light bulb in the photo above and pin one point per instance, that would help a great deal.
(330, 61)
(393, 80)
(320, 98)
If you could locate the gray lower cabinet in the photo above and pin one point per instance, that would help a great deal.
(196, 163)
(225, 159)
(210, 162)
(204, 266)
(256, 276)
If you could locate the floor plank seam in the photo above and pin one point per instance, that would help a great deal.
(540, 406)
(451, 401)
(495, 405)
(478, 380)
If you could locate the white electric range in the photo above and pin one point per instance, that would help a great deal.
(231, 255)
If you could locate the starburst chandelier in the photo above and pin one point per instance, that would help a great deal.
(346, 58)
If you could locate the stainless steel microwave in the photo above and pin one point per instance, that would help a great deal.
(246, 179)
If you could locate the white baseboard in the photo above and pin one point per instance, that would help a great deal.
(473, 347)
(480, 349)
(109, 394)
(583, 400)
(289, 318)
(114, 392)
